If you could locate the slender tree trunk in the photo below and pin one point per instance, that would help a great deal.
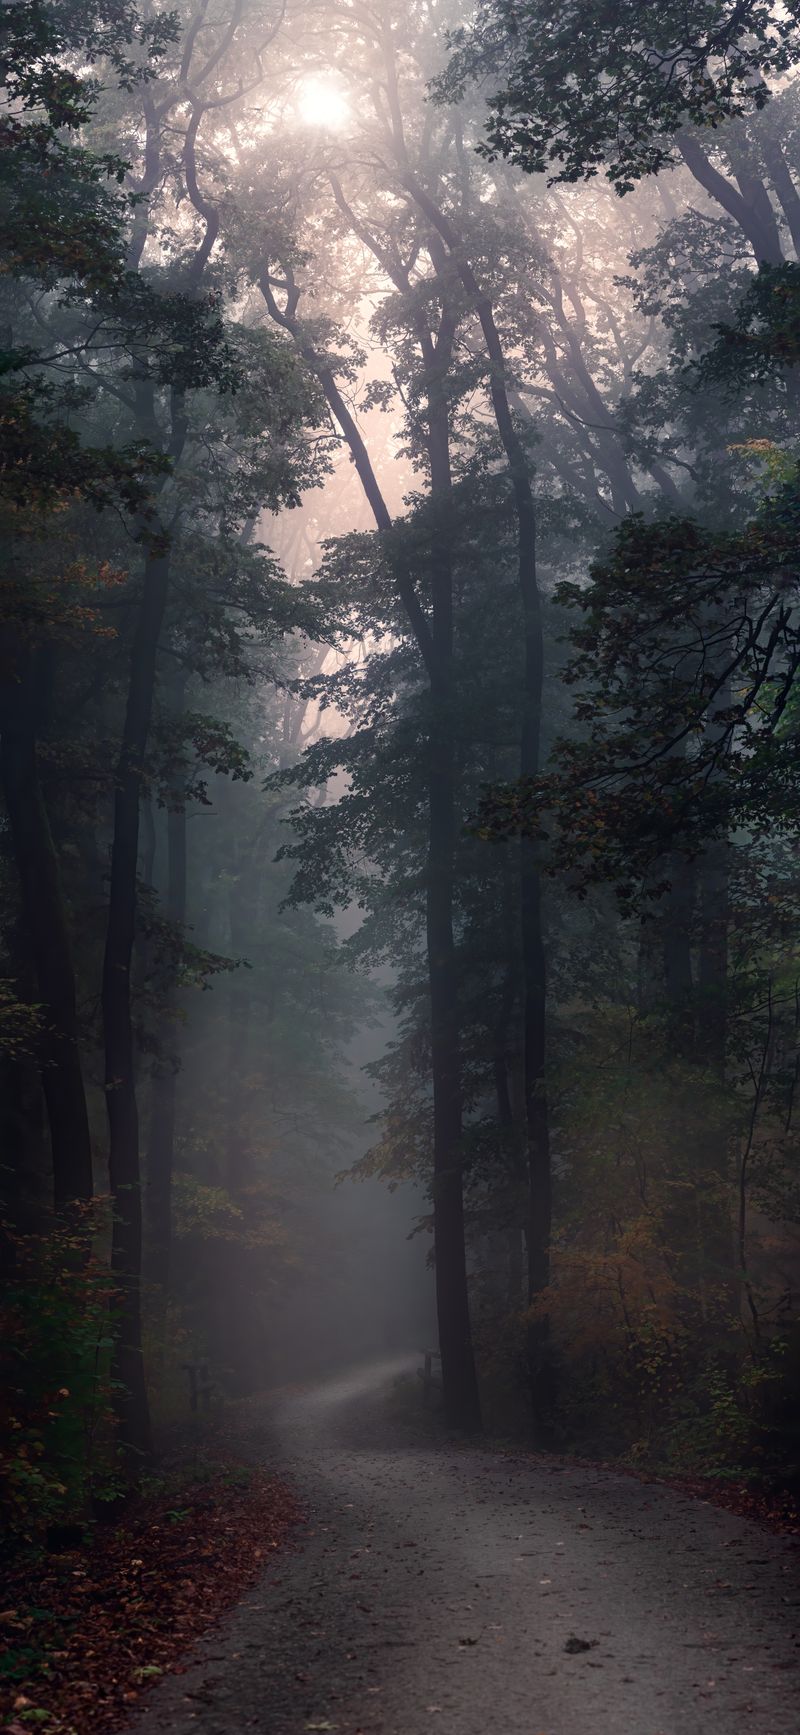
(47, 932)
(238, 1163)
(25, 1174)
(462, 1404)
(695, 939)
(533, 954)
(753, 213)
(459, 1381)
(24, 1169)
(149, 843)
(462, 1401)
(515, 1180)
(123, 1116)
(120, 1076)
(714, 1182)
(783, 183)
(676, 939)
(161, 1152)
(649, 965)
(713, 957)
(712, 974)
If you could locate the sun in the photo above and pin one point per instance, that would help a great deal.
(322, 102)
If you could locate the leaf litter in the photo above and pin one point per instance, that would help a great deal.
(85, 1632)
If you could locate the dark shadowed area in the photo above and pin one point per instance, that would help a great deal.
(399, 867)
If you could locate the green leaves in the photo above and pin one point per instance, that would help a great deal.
(37, 36)
(21, 1024)
(607, 84)
(55, 1372)
(59, 219)
(764, 337)
(686, 653)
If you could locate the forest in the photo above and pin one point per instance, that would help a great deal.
(399, 729)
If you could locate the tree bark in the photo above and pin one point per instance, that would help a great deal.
(462, 1401)
(781, 178)
(533, 954)
(505, 1072)
(47, 930)
(123, 1117)
(712, 978)
(460, 1388)
(756, 222)
(676, 938)
(238, 1168)
(131, 1400)
(714, 1182)
(25, 1170)
(161, 1152)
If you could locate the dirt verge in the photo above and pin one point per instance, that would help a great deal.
(84, 1631)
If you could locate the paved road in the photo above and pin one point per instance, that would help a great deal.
(447, 1591)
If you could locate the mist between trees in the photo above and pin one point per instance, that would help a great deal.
(399, 708)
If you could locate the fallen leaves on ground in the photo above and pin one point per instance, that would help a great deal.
(85, 1632)
(776, 1508)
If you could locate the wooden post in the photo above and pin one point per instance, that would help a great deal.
(190, 1369)
(426, 1374)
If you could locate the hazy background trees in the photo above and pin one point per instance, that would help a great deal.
(399, 653)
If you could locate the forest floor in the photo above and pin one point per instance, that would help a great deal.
(457, 1590)
(85, 1627)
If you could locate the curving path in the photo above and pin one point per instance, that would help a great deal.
(441, 1590)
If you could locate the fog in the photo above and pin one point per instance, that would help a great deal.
(399, 713)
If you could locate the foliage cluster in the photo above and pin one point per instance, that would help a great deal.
(401, 661)
(57, 1322)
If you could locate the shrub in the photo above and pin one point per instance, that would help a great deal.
(57, 1448)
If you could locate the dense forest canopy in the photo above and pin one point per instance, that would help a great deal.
(399, 713)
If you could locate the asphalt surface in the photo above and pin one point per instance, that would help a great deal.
(457, 1591)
